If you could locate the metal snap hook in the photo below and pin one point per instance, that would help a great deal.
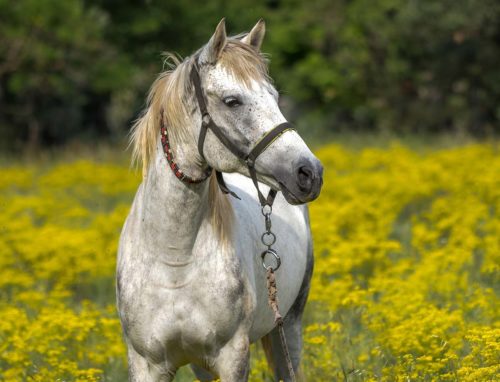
(275, 255)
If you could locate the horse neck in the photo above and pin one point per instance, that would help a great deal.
(172, 210)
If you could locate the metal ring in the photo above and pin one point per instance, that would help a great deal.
(268, 234)
(275, 254)
(205, 118)
(268, 212)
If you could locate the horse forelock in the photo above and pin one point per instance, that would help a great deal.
(244, 62)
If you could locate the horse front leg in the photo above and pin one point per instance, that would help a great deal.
(141, 370)
(233, 361)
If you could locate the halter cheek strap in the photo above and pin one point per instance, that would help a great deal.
(262, 144)
(207, 122)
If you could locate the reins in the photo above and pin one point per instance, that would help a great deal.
(268, 238)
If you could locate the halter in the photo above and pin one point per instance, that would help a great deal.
(262, 144)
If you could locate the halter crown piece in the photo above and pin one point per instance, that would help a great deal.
(208, 123)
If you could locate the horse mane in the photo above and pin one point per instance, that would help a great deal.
(173, 92)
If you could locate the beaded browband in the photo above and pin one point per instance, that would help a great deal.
(167, 150)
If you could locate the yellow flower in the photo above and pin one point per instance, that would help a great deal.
(407, 259)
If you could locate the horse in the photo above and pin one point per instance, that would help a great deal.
(190, 284)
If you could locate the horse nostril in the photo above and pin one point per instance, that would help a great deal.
(305, 177)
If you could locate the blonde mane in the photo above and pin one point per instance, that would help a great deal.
(173, 93)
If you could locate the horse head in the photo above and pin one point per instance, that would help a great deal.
(243, 104)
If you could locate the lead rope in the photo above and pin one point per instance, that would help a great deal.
(268, 238)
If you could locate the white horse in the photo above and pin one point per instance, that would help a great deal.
(191, 288)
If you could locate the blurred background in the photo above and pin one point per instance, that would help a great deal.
(78, 70)
(399, 99)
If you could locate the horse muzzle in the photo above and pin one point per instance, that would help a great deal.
(304, 183)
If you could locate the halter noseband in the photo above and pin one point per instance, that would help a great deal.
(250, 158)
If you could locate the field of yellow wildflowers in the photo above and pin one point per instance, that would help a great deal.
(406, 284)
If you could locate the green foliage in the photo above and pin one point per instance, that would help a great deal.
(392, 64)
(75, 68)
(55, 64)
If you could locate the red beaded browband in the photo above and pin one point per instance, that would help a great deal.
(170, 157)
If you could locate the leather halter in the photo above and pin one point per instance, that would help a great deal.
(207, 123)
(250, 158)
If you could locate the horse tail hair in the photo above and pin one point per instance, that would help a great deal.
(268, 350)
(267, 345)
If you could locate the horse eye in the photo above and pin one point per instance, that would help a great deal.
(231, 101)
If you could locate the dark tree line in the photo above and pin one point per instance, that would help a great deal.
(78, 69)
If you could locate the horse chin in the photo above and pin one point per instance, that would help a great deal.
(290, 197)
(293, 199)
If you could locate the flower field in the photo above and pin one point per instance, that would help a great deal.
(406, 284)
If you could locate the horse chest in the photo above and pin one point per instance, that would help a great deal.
(196, 315)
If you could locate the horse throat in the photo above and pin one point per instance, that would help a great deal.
(173, 211)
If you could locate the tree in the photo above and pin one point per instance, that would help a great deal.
(392, 64)
(55, 67)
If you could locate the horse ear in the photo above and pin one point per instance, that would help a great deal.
(256, 35)
(211, 52)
